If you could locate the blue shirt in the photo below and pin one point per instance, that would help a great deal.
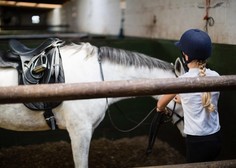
(198, 121)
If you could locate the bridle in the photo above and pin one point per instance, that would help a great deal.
(171, 112)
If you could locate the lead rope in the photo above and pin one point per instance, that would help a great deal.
(107, 103)
(133, 128)
(158, 119)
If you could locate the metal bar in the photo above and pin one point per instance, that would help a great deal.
(213, 164)
(60, 92)
(43, 36)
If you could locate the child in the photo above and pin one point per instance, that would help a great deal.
(201, 119)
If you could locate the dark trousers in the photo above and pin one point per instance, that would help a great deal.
(203, 148)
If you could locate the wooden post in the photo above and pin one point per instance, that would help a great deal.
(60, 92)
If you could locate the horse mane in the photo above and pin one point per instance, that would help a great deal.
(129, 58)
(122, 57)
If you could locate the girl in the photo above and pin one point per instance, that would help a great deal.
(200, 109)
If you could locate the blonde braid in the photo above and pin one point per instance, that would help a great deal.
(206, 96)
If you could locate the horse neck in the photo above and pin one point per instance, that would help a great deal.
(120, 72)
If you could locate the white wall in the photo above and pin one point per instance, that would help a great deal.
(164, 19)
(99, 16)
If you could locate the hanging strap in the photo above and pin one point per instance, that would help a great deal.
(155, 125)
(100, 64)
(50, 119)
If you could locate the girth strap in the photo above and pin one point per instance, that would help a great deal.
(50, 119)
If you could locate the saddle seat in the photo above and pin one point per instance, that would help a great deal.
(20, 49)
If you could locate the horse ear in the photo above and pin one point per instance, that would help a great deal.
(179, 67)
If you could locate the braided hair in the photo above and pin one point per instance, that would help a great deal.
(206, 96)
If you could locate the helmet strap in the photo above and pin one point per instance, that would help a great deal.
(184, 62)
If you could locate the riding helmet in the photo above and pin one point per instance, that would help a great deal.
(196, 44)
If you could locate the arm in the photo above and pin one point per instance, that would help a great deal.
(163, 101)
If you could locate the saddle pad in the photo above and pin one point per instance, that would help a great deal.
(6, 61)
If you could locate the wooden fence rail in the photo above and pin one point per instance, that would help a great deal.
(60, 92)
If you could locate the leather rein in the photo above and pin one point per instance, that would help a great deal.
(168, 117)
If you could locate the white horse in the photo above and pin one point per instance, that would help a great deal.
(81, 117)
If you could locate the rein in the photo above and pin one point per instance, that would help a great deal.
(107, 103)
(158, 119)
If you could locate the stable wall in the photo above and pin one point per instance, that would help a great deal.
(161, 19)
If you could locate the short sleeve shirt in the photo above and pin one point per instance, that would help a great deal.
(198, 121)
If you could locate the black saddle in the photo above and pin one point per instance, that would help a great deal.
(40, 65)
(20, 49)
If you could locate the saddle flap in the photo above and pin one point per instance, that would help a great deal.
(9, 60)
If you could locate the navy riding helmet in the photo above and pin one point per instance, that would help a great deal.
(196, 44)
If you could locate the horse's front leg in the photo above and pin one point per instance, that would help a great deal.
(80, 142)
(80, 125)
